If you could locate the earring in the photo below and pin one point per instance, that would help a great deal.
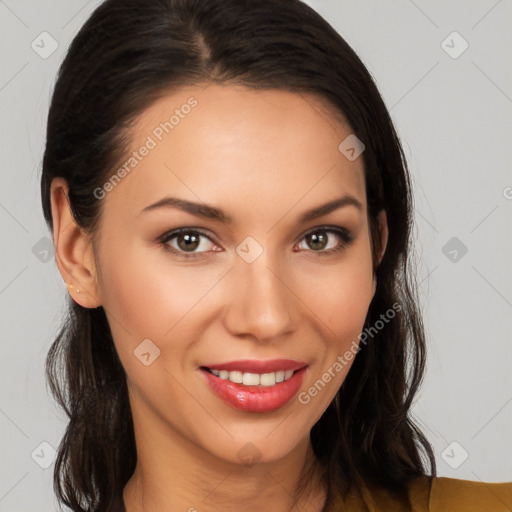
(70, 286)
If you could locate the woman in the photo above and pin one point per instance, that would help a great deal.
(231, 209)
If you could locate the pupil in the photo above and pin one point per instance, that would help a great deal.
(190, 242)
(317, 241)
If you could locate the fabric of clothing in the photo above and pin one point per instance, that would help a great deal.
(427, 494)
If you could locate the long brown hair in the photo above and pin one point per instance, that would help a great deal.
(129, 53)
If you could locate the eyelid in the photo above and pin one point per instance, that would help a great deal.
(178, 231)
(326, 227)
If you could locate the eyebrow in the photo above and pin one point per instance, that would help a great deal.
(213, 213)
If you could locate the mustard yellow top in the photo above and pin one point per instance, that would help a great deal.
(428, 494)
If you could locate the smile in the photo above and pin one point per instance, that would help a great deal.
(255, 386)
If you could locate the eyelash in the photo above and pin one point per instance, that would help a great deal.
(345, 236)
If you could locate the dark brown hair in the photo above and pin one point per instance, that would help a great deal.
(128, 54)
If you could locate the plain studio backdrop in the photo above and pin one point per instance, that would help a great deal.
(444, 71)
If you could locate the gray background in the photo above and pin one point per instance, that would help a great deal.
(453, 113)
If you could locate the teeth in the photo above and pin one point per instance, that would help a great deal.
(268, 379)
(237, 377)
(254, 379)
(250, 379)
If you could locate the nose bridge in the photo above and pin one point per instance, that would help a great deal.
(260, 301)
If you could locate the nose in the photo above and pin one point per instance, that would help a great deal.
(260, 302)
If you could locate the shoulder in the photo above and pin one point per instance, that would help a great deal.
(427, 494)
(442, 493)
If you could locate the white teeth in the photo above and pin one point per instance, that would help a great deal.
(268, 379)
(250, 379)
(236, 377)
(254, 379)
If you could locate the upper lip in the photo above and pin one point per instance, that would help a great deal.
(257, 366)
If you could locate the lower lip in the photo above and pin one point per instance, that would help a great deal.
(256, 398)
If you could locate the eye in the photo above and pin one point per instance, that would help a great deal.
(185, 242)
(323, 240)
(191, 243)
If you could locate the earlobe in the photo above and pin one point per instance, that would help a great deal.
(73, 249)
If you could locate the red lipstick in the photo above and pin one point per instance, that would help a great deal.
(256, 398)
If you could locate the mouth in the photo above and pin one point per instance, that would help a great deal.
(256, 390)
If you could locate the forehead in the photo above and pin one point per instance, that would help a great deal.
(226, 145)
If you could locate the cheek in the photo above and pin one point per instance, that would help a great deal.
(342, 294)
(146, 295)
(344, 302)
(339, 306)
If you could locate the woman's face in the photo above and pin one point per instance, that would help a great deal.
(254, 276)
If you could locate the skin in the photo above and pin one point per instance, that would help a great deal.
(264, 157)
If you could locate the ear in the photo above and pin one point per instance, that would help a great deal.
(73, 249)
(383, 242)
(383, 234)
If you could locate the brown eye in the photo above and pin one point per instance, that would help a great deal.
(188, 242)
(185, 242)
(317, 240)
(326, 241)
